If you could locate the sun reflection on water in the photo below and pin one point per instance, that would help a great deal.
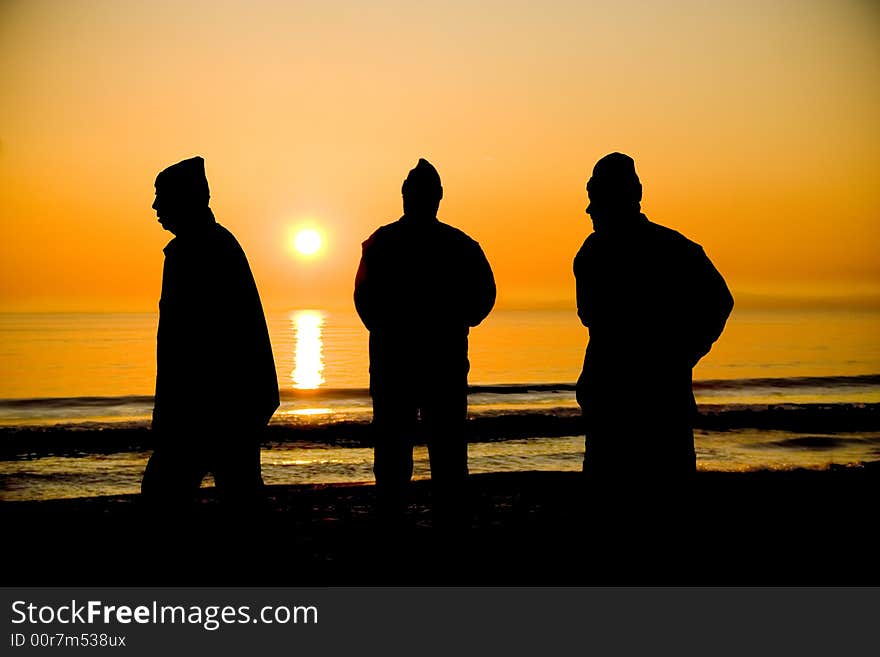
(308, 371)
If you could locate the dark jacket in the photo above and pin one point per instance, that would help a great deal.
(420, 286)
(214, 358)
(654, 304)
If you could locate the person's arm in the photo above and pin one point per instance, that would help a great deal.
(481, 286)
(713, 305)
(168, 351)
(243, 365)
(582, 285)
(363, 301)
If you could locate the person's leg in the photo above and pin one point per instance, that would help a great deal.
(604, 486)
(239, 524)
(237, 470)
(444, 414)
(670, 476)
(394, 423)
(170, 520)
(173, 474)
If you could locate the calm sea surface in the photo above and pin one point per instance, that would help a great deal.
(100, 369)
(113, 355)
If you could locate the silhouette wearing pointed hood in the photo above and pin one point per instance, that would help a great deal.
(421, 285)
(654, 305)
(216, 386)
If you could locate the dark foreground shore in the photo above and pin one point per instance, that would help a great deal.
(528, 528)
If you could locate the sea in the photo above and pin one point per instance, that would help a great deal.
(783, 388)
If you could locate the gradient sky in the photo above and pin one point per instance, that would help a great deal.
(754, 126)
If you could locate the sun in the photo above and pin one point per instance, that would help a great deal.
(307, 242)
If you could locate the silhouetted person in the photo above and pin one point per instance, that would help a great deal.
(216, 386)
(654, 304)
(420, 286)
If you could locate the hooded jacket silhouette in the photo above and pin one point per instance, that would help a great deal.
(420, 287)
(214, 357)
(216, 386)
(654, 305)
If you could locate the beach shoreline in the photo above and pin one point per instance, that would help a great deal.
(81, 460)
(106, 437)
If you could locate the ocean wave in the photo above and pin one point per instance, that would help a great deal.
(489, 426)
(60, 403)
(789, 383)
(825, 442)
(700, 385)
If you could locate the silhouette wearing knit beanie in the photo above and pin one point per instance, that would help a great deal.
(420, 287)
(654, 305)
(216, 386)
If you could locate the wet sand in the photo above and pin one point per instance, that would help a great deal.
(796, 527)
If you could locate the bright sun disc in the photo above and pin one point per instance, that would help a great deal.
(307, 241)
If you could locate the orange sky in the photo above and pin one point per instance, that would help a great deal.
(753, 126)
